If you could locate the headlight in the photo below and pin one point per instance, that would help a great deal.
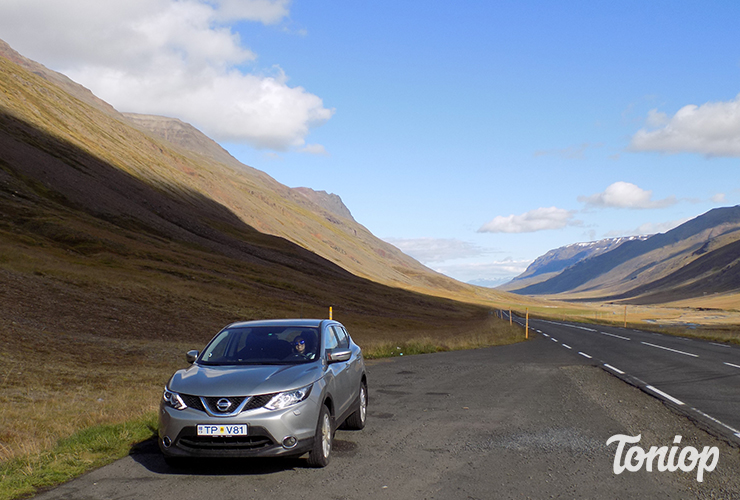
(288, 398)
(173, 400)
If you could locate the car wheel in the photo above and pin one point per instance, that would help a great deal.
(322, 443)
(357, 420)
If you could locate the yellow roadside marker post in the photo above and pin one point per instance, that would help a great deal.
(331, 313)
(526, 327)
(625, 316)
(510, 322)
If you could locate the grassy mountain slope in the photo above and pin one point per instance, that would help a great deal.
(199, 165)
(712, 272)
(663, 262)
(81, 181)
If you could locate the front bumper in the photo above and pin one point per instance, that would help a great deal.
(267, 432)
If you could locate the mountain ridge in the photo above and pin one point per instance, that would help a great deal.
(660, 266)
(170, 159)
(555, 261)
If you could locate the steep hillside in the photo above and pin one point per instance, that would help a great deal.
(690, 260)
(95, 208)
(716, 271)
(170, 153)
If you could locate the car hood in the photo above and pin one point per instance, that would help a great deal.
(244, 380)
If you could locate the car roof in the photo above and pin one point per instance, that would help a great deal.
(305, 323)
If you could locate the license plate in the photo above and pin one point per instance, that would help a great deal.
(222, 430)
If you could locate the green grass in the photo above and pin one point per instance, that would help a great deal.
(85, 450)
(491, 333)
(95, 446)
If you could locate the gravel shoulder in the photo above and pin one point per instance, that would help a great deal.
(520, 421)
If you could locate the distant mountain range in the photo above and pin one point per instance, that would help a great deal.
(555, 261)
(697, 258)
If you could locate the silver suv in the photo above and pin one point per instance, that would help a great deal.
(266, 388)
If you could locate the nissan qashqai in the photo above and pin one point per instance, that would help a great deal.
(273, 388)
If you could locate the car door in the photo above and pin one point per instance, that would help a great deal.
(356, 362)
(342, 391)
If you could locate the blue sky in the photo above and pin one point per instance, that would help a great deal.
(475, 136)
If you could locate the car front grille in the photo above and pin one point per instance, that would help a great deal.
(196, 402)
(258, 401)
(230, 443)
(192, 402)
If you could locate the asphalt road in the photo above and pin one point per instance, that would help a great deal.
(529, 420)
(697, 377)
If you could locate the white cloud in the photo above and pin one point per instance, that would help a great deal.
(712, 129)
(656, 118)
(176, 58)
(625, 195)
(497, 272)
(431, 250)
(461, 260)
(719, 198)
(540, 219)
(647, 228)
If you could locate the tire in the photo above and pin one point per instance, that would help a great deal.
(356, 421)
(320, 453)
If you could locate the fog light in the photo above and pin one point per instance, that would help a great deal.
(289, 442)
(167, 442)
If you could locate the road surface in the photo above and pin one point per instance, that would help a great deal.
(698, 377)
(529, 420)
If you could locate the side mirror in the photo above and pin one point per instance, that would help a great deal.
(191, 356)
(338, 355)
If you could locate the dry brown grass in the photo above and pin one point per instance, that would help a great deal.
(91, 338)
(61, 383)
(54, 383)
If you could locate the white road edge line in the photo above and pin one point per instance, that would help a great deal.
(567, 346)
(735, 431)
(734, 366)
(672, 350)
(613, 335)
(667, 396)
(721, 345)
(584, 354)
(615, 369)
(546, 335)
(553, 339)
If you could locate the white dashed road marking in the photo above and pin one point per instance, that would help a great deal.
(669, 349)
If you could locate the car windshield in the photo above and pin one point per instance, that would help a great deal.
(262, 345)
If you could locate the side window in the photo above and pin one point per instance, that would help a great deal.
(342, 339)
(330, 339)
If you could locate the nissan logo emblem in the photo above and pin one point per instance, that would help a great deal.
(223, 404)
